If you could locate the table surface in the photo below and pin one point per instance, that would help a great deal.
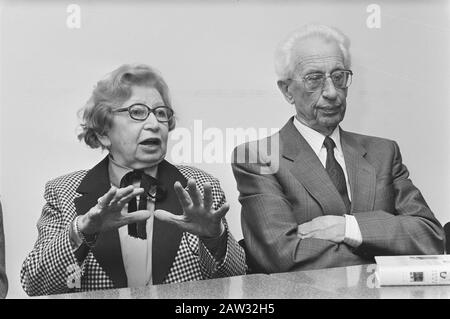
(343, 282)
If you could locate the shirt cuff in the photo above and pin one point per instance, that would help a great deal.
(353, 235)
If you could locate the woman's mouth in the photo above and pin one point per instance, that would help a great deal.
(153, 141)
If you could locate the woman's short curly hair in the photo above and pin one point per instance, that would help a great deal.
(113, 91)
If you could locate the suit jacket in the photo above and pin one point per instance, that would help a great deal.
(52, 267)
(281, 189)
(3, 279)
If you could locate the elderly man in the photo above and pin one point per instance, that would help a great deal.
(320, 196)
(3, 279)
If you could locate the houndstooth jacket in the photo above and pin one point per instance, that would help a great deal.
(178, 256)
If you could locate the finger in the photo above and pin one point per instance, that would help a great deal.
(207, 196)
(136, 192)
(121, 192)
(165, 216)
(304, 228)
(195, 194)
(320, 222)
(182, 194)
(137, 216)
(308, 235)
(320, 234)
(104, 201)
(316, 222)
(222, 211)
(324, 235)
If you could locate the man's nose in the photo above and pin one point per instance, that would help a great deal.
(329, 90)
(151, 123)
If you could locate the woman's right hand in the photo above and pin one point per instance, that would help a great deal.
(107, 214)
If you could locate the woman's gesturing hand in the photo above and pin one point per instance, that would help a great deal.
(199, 217)
(107, 214)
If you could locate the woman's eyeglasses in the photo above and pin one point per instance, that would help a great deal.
(140, 112)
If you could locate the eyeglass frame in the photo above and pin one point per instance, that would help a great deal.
(327, 75)
(150, 111)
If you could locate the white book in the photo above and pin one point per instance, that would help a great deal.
(413, 270)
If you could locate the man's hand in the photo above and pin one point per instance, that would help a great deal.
(329, 227)
(199, 217)
(107, 214)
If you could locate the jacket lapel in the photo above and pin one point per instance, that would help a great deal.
(166, 237)
(361, 174)
(107, 250)
(309, 171)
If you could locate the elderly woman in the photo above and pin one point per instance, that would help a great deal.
(134, 219)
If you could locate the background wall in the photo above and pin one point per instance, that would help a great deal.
(217, 60)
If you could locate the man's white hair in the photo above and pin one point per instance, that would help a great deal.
(284, 63)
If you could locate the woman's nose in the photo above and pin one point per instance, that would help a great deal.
(151, 123)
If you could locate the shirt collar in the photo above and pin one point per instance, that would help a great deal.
(117, 171)
(315, 139)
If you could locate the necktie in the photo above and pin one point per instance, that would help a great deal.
(138, 230)
(335, 171)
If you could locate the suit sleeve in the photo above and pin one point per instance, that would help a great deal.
(411, 230)
(233, 264)
(270, 227)
(51, 265)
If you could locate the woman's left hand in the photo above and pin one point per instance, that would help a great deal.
(199, 217)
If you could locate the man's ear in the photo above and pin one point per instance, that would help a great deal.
(284, 88)
(104, 140)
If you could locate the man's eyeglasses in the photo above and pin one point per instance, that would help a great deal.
(315, 81)
(140, 112)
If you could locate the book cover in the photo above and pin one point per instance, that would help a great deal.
(413, 270)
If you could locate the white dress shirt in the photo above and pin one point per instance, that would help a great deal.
(315, 139)
(136, 252)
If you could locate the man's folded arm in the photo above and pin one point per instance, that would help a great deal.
(413, 229)
(270, 227)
